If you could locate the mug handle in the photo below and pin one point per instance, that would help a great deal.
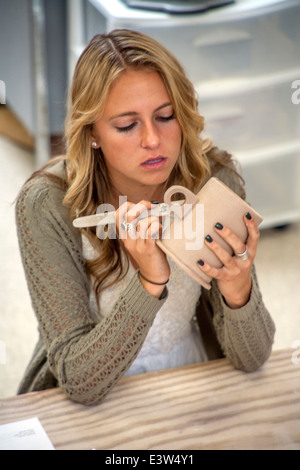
(190, 197)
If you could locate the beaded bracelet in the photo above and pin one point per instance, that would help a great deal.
(151, 282)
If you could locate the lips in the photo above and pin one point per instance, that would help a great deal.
(155, 162)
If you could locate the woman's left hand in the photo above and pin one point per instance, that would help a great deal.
(233, 278)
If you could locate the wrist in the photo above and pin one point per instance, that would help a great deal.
(155, 283)
(240, 298)
(154, 290)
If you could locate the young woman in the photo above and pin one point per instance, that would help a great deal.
(114, 306)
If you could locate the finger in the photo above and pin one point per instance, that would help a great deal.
(223, 255)
(127, 218)
(155, 229)
(149, 228)
(137, 209)
(253, 233)
(121, 217)
(210, 270)
(237, 245)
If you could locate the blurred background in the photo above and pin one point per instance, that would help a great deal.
(243, 57)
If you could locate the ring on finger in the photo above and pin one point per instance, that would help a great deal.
(243, 256)
(128, 226)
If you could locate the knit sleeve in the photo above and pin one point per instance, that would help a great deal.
(86, 358)
(245, 334)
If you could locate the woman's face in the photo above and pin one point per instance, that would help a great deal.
(138, 133)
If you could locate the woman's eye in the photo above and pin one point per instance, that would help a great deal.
(131, 126)
(125, 128)
(167, 118)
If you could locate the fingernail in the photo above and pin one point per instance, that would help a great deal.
(154, 202)
(201, 262)
(219, 226)
(208, 238)
(248, 216)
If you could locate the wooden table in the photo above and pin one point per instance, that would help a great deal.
(204, 406)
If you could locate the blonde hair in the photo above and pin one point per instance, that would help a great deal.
(105, 58)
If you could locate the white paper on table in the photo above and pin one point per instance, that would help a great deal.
(24, 435)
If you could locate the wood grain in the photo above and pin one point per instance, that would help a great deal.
(204, 406)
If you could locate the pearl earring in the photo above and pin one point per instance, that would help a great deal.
(94, 144)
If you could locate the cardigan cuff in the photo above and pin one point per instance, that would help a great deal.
(249, 308)
(139, 300)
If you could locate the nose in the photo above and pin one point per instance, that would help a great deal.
(150, 137)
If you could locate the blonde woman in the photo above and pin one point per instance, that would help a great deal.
(117, 305)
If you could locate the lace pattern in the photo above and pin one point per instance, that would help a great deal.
(173, 323)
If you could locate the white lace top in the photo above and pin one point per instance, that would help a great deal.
(173, 339)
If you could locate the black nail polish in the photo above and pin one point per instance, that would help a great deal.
(219, 226)
(201, 262)
(154, 202)
(208, 238)
(248, 216)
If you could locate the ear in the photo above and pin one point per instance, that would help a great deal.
(94, 141)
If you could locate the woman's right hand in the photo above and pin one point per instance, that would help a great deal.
(141, 245)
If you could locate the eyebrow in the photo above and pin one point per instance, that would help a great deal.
(134, 113)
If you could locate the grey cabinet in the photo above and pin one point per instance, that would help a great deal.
(244, 60)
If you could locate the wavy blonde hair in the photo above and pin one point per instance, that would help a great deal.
(105, 58)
